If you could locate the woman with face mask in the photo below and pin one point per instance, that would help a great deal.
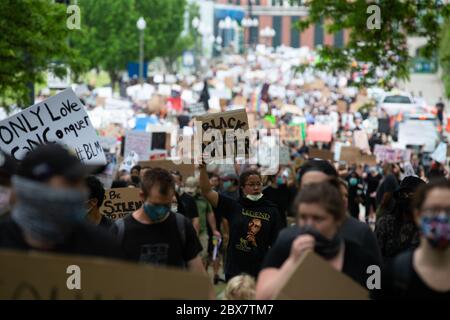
(320, 213)
(396, 230)
(253, 222)
(423, 273)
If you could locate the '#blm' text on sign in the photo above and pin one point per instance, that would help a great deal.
(224, 134)
(120, 202)
(59, 119)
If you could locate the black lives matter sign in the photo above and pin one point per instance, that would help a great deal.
(59, 119)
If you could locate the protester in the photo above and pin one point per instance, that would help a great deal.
(206, 218)
(317, 171)
(387, 187)
(49, 210)
(279, 192)
(7, 170)
(231, 186)
(372, 181)
(240, 287)
(320, 213)
(424, 272)
(354, 193)
(187, 207)
(135, 171)
(155, 235)
(94, 203)
(254, 223)
(396, 230)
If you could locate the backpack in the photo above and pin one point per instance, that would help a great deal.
(181, 226)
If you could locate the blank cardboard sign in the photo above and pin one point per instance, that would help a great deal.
(315, 279)
(186, 170)
(37, 276)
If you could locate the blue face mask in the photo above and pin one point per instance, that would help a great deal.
(353, 181)
(156, 213)
(227, 184)
(280, 181)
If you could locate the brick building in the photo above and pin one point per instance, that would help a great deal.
(279, 15)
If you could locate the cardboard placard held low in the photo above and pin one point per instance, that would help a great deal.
(321, 154)
(120, 202)
(186, 170)
(315, 279)
(353, 155)
(38, 276)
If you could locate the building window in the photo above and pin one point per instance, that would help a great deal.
(339, 39)
(295, 35)
(278, 27)
(318, 33)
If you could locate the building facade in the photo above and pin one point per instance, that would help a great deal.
(277, 15)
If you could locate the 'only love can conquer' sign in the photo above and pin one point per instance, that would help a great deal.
(59, 119)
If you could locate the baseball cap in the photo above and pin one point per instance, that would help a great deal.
(52, 160)
(409, 184)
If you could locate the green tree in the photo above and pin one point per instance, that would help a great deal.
(385, 47)
(109, 38)
(444, 56)
(186, 40)
(33, 40)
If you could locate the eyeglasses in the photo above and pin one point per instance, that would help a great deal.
(254, 185)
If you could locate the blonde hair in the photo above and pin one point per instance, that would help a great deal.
(241, 287)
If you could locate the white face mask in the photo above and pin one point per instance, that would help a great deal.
(174, 207)
(5, 195)
(254, 197)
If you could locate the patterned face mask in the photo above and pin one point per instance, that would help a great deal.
(436, 229)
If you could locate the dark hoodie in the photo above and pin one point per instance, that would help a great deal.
(254, 227)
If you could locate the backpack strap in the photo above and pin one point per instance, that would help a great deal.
(181, 225)
(120, 227)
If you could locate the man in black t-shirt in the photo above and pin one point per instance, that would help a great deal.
(49, 209)
(96, 197)
(155, 235)
(186, 203)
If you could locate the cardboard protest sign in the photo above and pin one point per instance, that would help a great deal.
(418, 132)
(229, 82)
(140, 143)
(360, 140)
(391, 155)
(350, 154)
(120, 202)
(196, 109)
(353, 155)
(315, 279)
(61, 119)
(285, 155)
(39, 276)
(321, 154)
(319, 133)
(235, 122)
(290, 108)
(290, 133)
(341, 106)
(186, 170)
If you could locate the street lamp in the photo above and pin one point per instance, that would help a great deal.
(141, 25)
(267, 33)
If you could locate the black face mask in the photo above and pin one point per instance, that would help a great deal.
(324, 247)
